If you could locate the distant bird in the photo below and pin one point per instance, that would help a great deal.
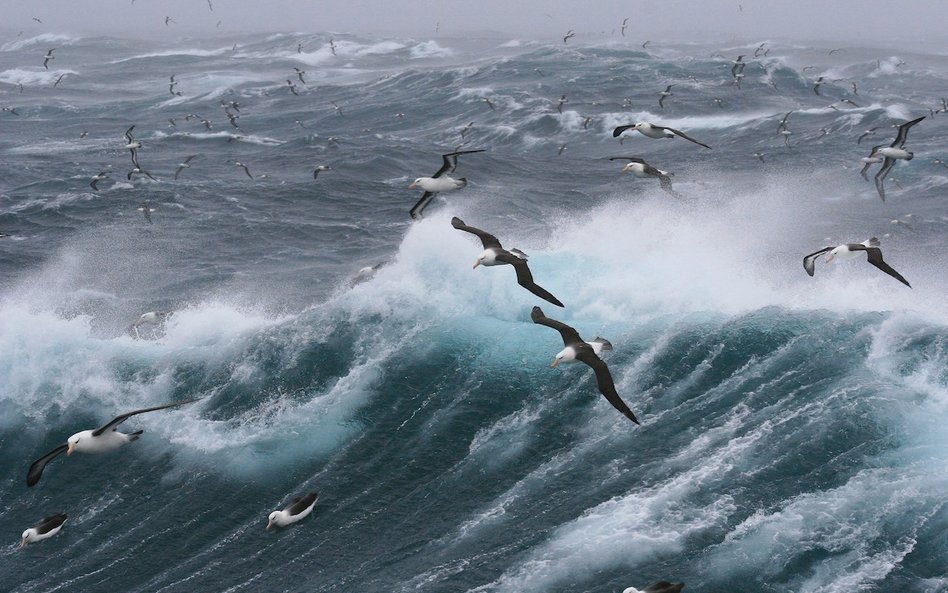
(819, 83)
(292, 86)
(586, 121)
(299, 48)
(624, 26)
(759, 50)
(45, 529)
(655, 131)
(206, 122)
(37, 20)
(439, 182)
(738, 78)
(645, 44)
(246, 170)
(489, 103)
(49, 56)
(103, 439)
(638, 167)
(562, 101)
(759, 156)
(298, 509)
(12, 110)
(146, 211)
(185, 164)
(569, 35)
(900, 222)
(83, 134)
(60, 79)
(587, 352)
(495, 255)
(659, 587)
(132, 145)
(851, 250)
(719, 102)
(332, 45)
(664, 95)
(560, 149)
(300, 124)
(783, 130)
(855, 89)
(940, 162)
(139, 171)
(833, 51)
(868, 161)
(869, 132)
(893, 152)
(168, 19)
(738, 66)
(299, 74)
(849, 102)
(538, 71)
(337, 108)
(97, 179)
(320, 168)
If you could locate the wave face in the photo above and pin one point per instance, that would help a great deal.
(793, 435)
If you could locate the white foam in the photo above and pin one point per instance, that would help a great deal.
(44, 39)
(32, 77)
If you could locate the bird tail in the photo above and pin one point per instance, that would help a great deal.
(134, 436)
(606, 344)
(463, 181)
(910, 156)
(873, 242)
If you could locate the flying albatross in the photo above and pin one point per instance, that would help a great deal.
(439, 181)
(654, 131)
(495, 255)
(892, 152)
(100, 440)
(638, 167)
(587, 352)
(849, 251)
(45, 529)
(298, 509)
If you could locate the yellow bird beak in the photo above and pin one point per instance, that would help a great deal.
(477, 263)
(70, 449)
(556, 361)
(22, 543)
(412, 186)
(829, 258)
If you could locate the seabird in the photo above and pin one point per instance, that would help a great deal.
(146, 210)
(654, 131)
(246, 170)
(300, 124)
(559, 104)
(645, 44)
(100, 440)
(783, 130)
(663, 95)
(60, 79)
(439, 182)
(586, 121)
(849, 251)
(298, 509)
(638, 167)
(299, 74)
(320, 168)
(97, 179)
(624, 25)
(560, 149)
(365, 274)
(139, 171)
(738, 78)
(659, 587)
(11, 110)
(759, 50)
(489, 103)
(339, 109)
(132, 145)
(893, 152)
(49, 56)
(855, 89)
(869, 132)
(738, 66)
(849, 102)
(292, 86)
(168, 19)
(332, 45)
(759, 156)
(569, 35)
(588, 352)
(184, 165)
(495, 255)
(816, 87)
(45, 529)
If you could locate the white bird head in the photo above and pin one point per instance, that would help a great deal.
(27, 537)
(73, 442)
(272, 518)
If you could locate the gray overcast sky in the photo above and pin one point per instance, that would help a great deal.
(869, 22)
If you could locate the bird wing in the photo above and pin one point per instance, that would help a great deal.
(634, 159)
(875, 258)
(247, 171)
(683, 135)
(661, 101)
(570, 336)
(36, 468)
(302, 503)
(488, 240)
(94, 184)
(880, 176)
(525, 278)
(618, 131)
(863, 171)
(652, 171)
(903, 132)
(128, 134)
(664, 587)
(50, 523)
(122, 418)
(178, 172)
(606, 385)
(808, 264)
(450, 161)
(666, 184)
(420, 206)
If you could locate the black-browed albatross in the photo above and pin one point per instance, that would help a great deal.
(495, 255)
(894, 151)
(851, 250)
(638, 167)
(100, 440)
(439, 182)
(587, 352)
(655, 131)
(45, 529)
(298, 509)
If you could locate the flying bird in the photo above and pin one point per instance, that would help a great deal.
(439, 182)
(45, 529)
(893, 152)
(495, 255)
(49, 56)
(320, 168)
(103, 439)
(655, 131)
(185, 164)
(587, 352)
(664, 95)
(638, 167)
(146, 211)
(851, 250)
(97, 179)
(569, 35)
(246, 170)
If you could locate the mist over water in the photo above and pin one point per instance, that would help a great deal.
(793, 427)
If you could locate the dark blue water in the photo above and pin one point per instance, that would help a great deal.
(793, 435)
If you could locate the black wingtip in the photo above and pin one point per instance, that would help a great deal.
(457, 222)
(536, 314)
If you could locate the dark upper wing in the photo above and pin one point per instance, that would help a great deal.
(903, 132)
(808, 264)
(606, 386)
(525, 278)
(450, 161)
(50, 523)
(887, 165)
(650, 170)
(36, 469)
(863, 171)
(683, 135)
(419, 207)
(128, 134)
(570, 335)
(487, 240)
(302, 503)
(875, 258)
(634, 159)
(618, 131)
(120, 419)
(666, 184)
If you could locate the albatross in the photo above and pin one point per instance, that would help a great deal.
(638, 167)
(654, 131)
(588, 352)
(45, 529)
(894, 151)
(100, 440)
(495, 255)
(851, 250)
(439, 182)
(298, 509)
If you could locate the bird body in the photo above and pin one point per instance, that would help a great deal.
(45, 529)
(299, 509)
